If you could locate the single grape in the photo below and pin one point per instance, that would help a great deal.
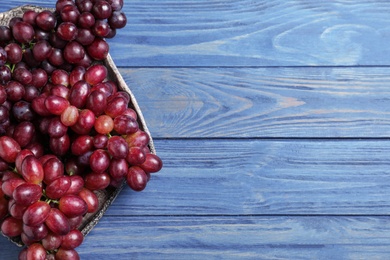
(35, 233)
(116, 5)
(101, 10)
(27, 193)
(96, 74)
(23, 32)
(136, 178)
(36, 213)
(79, 93)
(86, 20)
(76, 185)
(91, 199)
(139, 138)
(67, 31)
(56, 128)
(29, 16)
(70, 116)
(67, 254)
(56, 58)
(99, 161)
(97, 181)
(32, 170)
(104, 124)
(42, 50)
(51, 241)
(39, 78)
(152, 163)
(15, 91)
(98, 49)
(72, 205)
(58, 187)
(72, 240)
(24, 133)
(85, 122)
(8, 186)
(96, 102)
(136, 156)
(60, 146)
(82, 144)
(118, 169)
(30, 93)
(46, 20)
(9, 149)
(11, 227)
(125, 124)
(55, 104)
(36, 251)
(117, 20)
(57, 222)
(14, 52)
(69, 13)
(60, 90)
(85, 37)
(60, 77)
(53, 169)
(117, 147)
(116, 106)
(101, 28)
(5, 74)
(74, 52)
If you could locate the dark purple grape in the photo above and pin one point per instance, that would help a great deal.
(22, 75)
(116, 5)
(46, 20)
(30, 93)
(117, 147)
(24, 133)
(5, 34)
(117, 20)
(85, 37)
(100, 141)
(29, 16)
(14, 52)
(15, 90)
(69, 13)
(56, 58)
(98, 49)
(86, 20)
(67, 31)
(74, 52)
(101, 28)
(4, 114)
(60, 146)
(5, 75)
(67, 254)
(84, 5)
(61, 3)
(56, 128)
(23, 111)
(23, 32)
(42, 50)
(101, 10)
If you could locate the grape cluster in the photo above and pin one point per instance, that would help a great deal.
(67, 131)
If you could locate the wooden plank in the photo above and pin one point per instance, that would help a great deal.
(243, 237)
(262, 177)
(263, 102)
(249, 33)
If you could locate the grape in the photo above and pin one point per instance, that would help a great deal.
(61, 3)
(46, 20)
(55, 104)
(101, 10)
(24, 133)
(99, 160)
(116, 106)
(69, 13)
(36, 213)
(5, 34)
(98, 49)
(42, 50)
(30, 93)
(136, 156)
(72, 240)
(56, 58)
(56, 128)
(23, 111)
(3, 207)
(27, 193)
(82, 144)
(97, 181)
(57, 222)
(60, 145)
(91, 199)
(60, 77)
(72, 205)
(79, 94)
(70, 116)
(60, 90)
(77, 184)
(152, 163)
(15, 90)
(9, 149)
(85, 122)
(118, 168)
(53, 168)
(116, 5)
(100, 141)
(101, 28)
(58, 187)
(96, 102)
(85, 37)
(23, 32)
(104, 124)
(14, 53)
(11, 227)
(39, 77)
(67, 31)
(4, 114)
(74, 52)
(16, 210)
(8, 186)
(67, 254)
(117, 147)
(136, 178)
(51, 241)
(117, 20)
(22, 75)
(95, 74)
(86, 20)
(139, 138)
(20, 157)
(32, 170)
(5, 74)
(35, 233)
(29, 16)
(125, 124)
(36, 251)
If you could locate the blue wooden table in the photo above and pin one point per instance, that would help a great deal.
(273, 122)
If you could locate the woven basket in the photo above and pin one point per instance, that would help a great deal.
(107, 196)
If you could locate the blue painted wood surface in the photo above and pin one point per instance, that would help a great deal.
(272, 118)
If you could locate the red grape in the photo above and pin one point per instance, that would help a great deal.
(72, 205)
(9, 149)
(57, 222)
(36, 213)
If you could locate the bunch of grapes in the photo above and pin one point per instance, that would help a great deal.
(67, 131)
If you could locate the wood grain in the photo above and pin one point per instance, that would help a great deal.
(236, 237)
(250, 33)
(263, 102)
(260, 177)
